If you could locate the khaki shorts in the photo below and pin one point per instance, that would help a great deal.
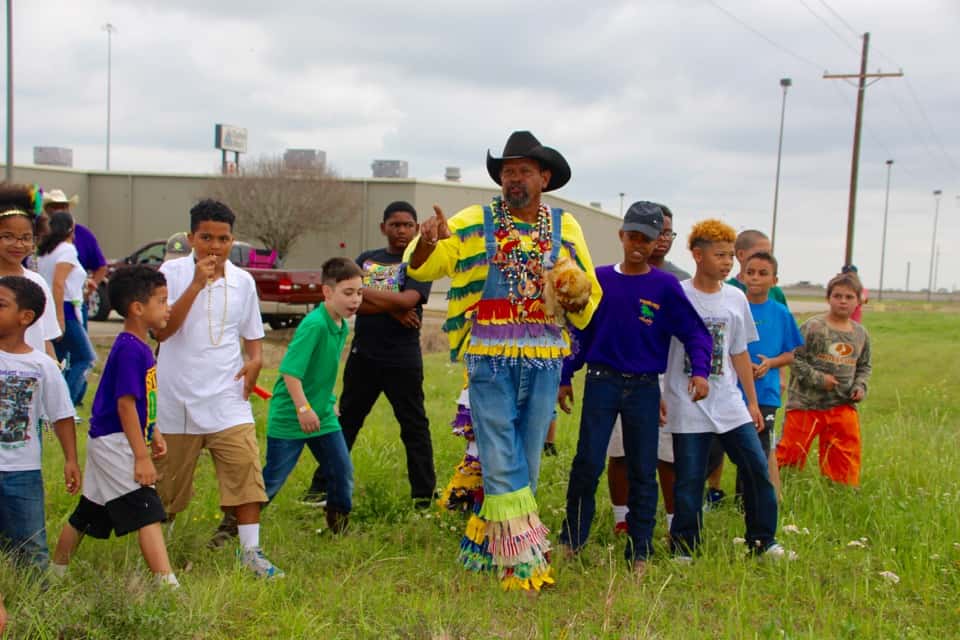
(236, 458)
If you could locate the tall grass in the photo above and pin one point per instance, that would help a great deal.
(394, 574)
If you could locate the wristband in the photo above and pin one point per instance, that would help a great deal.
(304, 408)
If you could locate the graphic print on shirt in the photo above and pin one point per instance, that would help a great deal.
(383, 277)
(16, 398)
(648, 309)
(718, 331)
(840, 354)
(151, 404)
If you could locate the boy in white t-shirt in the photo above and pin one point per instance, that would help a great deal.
(726, 312)
(204, 380)
(30, 385)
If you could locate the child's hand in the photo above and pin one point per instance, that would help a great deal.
(756, 416)
(203, 270)
(250, 372)
(760, 370)
(857, 394)
(144, 473)
(72, 477)
(698, 388)
(663, 412)
(309, 421)
(564, 394)
(829, 382)
(159, 446)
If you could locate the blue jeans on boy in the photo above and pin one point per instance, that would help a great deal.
(329, 450)
(75, 346)
(742, 445)
(636, 398)
(512, 404)
(22, 530)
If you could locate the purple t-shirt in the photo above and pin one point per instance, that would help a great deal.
(88, 250)
(631, 329)
(130, 371)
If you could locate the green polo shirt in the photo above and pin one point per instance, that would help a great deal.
(313, 356)
(776, 293)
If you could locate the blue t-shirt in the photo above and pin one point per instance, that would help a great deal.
(130, 371)
(631, 329)
(778, 333)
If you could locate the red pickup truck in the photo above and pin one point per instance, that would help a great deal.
(286, 295)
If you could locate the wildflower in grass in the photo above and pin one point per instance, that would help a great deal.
(856, 544)
(739, 540)
(890, 577)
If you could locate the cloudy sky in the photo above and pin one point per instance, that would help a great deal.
(670, 100)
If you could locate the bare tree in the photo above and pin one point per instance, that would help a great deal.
(278, 206)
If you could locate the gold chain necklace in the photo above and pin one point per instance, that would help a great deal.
(223, 320)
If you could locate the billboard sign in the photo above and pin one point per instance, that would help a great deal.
(230, 138)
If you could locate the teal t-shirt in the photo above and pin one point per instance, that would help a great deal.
(776, 293)
(313, 356)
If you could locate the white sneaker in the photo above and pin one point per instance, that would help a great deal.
(254, 560)
(776, 553)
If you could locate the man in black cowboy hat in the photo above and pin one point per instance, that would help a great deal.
(499, 257)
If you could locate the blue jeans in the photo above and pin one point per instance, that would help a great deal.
(511, 403)
(636, 399)
(329, 450)
(75, 346)
(22, 530)
(690, 451)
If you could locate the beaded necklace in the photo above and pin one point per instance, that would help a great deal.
(522, 268)
(223, 319)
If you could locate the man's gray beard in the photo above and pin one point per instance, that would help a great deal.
(518, 203)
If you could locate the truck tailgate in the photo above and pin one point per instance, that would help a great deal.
(291, 286)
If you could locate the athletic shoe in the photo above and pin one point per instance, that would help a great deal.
(776, 553)
(713, 499)
(620, 529)
(254, 560)
(549, 449)
(313, 499)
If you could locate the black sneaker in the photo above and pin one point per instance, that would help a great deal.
(549, 449)
(314, 499)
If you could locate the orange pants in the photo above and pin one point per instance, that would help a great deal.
(839, 432)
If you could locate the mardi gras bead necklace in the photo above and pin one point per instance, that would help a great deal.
(522, 268)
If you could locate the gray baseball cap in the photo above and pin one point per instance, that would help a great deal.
(645, 217)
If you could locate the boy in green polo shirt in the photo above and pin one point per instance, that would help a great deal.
(302, 409)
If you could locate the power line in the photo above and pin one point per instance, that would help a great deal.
(855, 32)
(839, 36)
(923, 113)
(769, 40)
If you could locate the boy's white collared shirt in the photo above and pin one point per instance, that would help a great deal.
(196, 389)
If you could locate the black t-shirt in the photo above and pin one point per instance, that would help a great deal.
(380, 337)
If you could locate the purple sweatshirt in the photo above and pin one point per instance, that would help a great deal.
(630, 331)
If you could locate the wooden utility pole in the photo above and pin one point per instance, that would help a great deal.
(855, 164)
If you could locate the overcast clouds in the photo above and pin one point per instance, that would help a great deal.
(663, 100)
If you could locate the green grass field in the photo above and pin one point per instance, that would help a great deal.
(395, 576)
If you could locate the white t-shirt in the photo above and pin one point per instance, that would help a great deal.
(31, 386)
(46, 326)
(196, 389)
(727, 316)
(73, 287)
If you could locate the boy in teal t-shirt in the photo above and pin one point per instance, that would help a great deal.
(302, 410)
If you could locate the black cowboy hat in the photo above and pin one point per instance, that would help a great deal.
(523, 144)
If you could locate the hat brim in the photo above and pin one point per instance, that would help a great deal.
(648, 230)
(547, 157)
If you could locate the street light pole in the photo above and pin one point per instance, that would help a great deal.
(621, 203)
(883, 242)
(933, 241)
(785, 83)
(109, 28)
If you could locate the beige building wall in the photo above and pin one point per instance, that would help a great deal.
(127, 210)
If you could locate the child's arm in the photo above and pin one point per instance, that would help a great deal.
(251, 368)
(202, 272)
(766, 364)
(67, 435)
(144, 473)
(60, 273)
(862, 374)
(309, 420)
(802, 369)
(744, 368)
